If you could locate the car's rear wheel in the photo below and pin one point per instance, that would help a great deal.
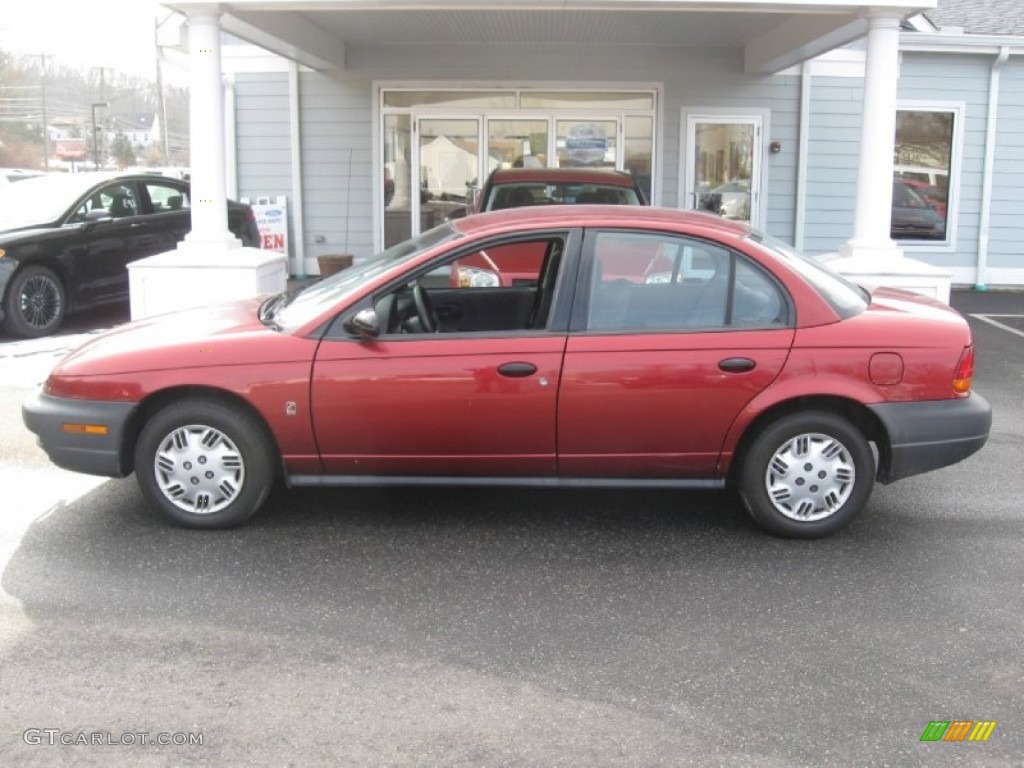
(36, 303)
(807, 475)
(204, 464)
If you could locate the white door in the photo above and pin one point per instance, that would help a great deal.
(722, 155)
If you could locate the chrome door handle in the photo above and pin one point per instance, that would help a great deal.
(517, 370)
(737, 364)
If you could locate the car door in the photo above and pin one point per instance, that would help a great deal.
(168, 213)
(106, 231)
(475, 398)
(670, 338)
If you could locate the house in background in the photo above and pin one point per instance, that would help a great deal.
(142, 129)
(856, 129)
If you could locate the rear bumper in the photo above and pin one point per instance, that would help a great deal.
(92, 454)
(928, 435)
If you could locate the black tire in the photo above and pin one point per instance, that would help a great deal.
(36, 303)
(204, 464)
(817, 496)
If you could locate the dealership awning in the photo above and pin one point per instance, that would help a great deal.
(772, 35)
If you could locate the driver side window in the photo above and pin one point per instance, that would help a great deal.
(503, 287)
(115, 200)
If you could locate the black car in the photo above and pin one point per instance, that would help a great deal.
(66, 240)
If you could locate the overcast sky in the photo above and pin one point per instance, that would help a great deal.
(84, 33)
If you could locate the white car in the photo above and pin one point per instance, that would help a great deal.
(11, 175)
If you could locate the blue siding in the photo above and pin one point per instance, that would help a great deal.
(262, 136)
(833, 153)
(1006, 235)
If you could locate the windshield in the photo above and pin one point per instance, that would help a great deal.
(847, 298)
(291, 311)
(39, 200)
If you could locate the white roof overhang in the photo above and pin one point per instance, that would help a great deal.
(772, 34)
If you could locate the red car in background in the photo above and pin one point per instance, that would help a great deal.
(528, 187)
(739, 364)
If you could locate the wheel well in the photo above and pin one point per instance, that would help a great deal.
(855, 413)
(50, 264)
(158, 400)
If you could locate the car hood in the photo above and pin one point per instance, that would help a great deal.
(11, 232)
(221, 335)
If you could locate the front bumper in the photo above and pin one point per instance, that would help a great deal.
(928, 435)
(93, 454)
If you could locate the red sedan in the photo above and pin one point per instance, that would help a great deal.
(732, 362)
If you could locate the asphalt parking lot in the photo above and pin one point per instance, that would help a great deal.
(528, 628)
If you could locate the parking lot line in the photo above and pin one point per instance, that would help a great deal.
(989, 319)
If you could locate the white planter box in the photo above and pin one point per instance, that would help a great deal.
(199, 275)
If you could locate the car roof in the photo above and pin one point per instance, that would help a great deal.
(79, 183)
(577, 175)
(605, 216)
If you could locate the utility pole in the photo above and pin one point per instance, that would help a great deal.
(95, 135)
(46, 127)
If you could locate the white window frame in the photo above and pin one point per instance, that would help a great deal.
(959, 111)
(687, 170)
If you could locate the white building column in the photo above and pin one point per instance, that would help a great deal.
(871, 257)
(206, 133)
(210, 265)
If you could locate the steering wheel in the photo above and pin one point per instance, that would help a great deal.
(424, 309)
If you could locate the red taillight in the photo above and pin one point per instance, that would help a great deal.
(964, 371)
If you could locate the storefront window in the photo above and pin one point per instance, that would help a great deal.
(516, 143)
(586, 143)
(921, 174)
(640, 151)
(438, 145)
(397, 179)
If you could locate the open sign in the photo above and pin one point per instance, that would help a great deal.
(272, 221)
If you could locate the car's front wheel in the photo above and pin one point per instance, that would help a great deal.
(807, 475)
(36, 303)
(204, 464)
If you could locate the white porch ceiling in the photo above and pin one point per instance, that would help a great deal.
(773, 35)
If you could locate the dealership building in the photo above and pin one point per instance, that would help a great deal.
(887, 137)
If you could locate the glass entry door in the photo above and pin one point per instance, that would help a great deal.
(723, 166)
(447, 167)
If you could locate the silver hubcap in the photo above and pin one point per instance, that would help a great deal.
(199, 469)
(39, 301)
(810, 477)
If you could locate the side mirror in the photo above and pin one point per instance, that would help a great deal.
(458, 212)
(364, 323)
(97, 214)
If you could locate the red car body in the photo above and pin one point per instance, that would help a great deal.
(343, 386)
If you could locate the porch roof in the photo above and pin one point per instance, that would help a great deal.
(773, 35)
